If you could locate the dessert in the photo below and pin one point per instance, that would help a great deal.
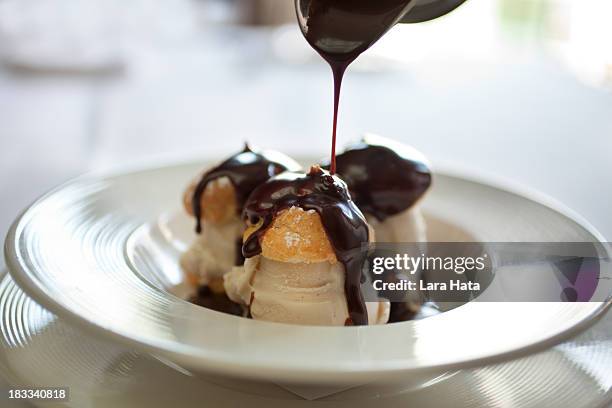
(215, 200)
(386, 180)
(306, 238)
(304, 254)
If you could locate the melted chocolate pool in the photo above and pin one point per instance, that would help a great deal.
(340, 30)
(214, 301)
(245, 170)
(384, 177)
(344, 224)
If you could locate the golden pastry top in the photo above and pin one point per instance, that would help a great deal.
(218, 202)
(295, 236)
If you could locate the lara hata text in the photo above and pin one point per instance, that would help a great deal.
(404, 285)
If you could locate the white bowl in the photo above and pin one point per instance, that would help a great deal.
(75, 251)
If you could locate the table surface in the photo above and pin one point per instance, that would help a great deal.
(520, 116)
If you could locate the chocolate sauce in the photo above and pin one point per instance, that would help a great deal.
(384, 177)
(340, 30)
(214, 301)
(245, 170)
(402, 312)
(238, 257)
(344, 224)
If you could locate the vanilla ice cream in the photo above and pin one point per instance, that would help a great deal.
(297, 278)
(405, 227)
(213, 253)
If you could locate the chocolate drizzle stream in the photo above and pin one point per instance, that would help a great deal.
(245, 170)
(344, 224)
(340, 30)
(384, 177)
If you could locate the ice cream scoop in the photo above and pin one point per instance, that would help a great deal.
(214, 251)
(306, 245)
(216, 200)
(296, 278)
(408, 226)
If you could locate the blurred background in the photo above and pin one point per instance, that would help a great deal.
(516, 89)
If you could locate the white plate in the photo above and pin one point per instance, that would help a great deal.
(69, 252)
(37, 349)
